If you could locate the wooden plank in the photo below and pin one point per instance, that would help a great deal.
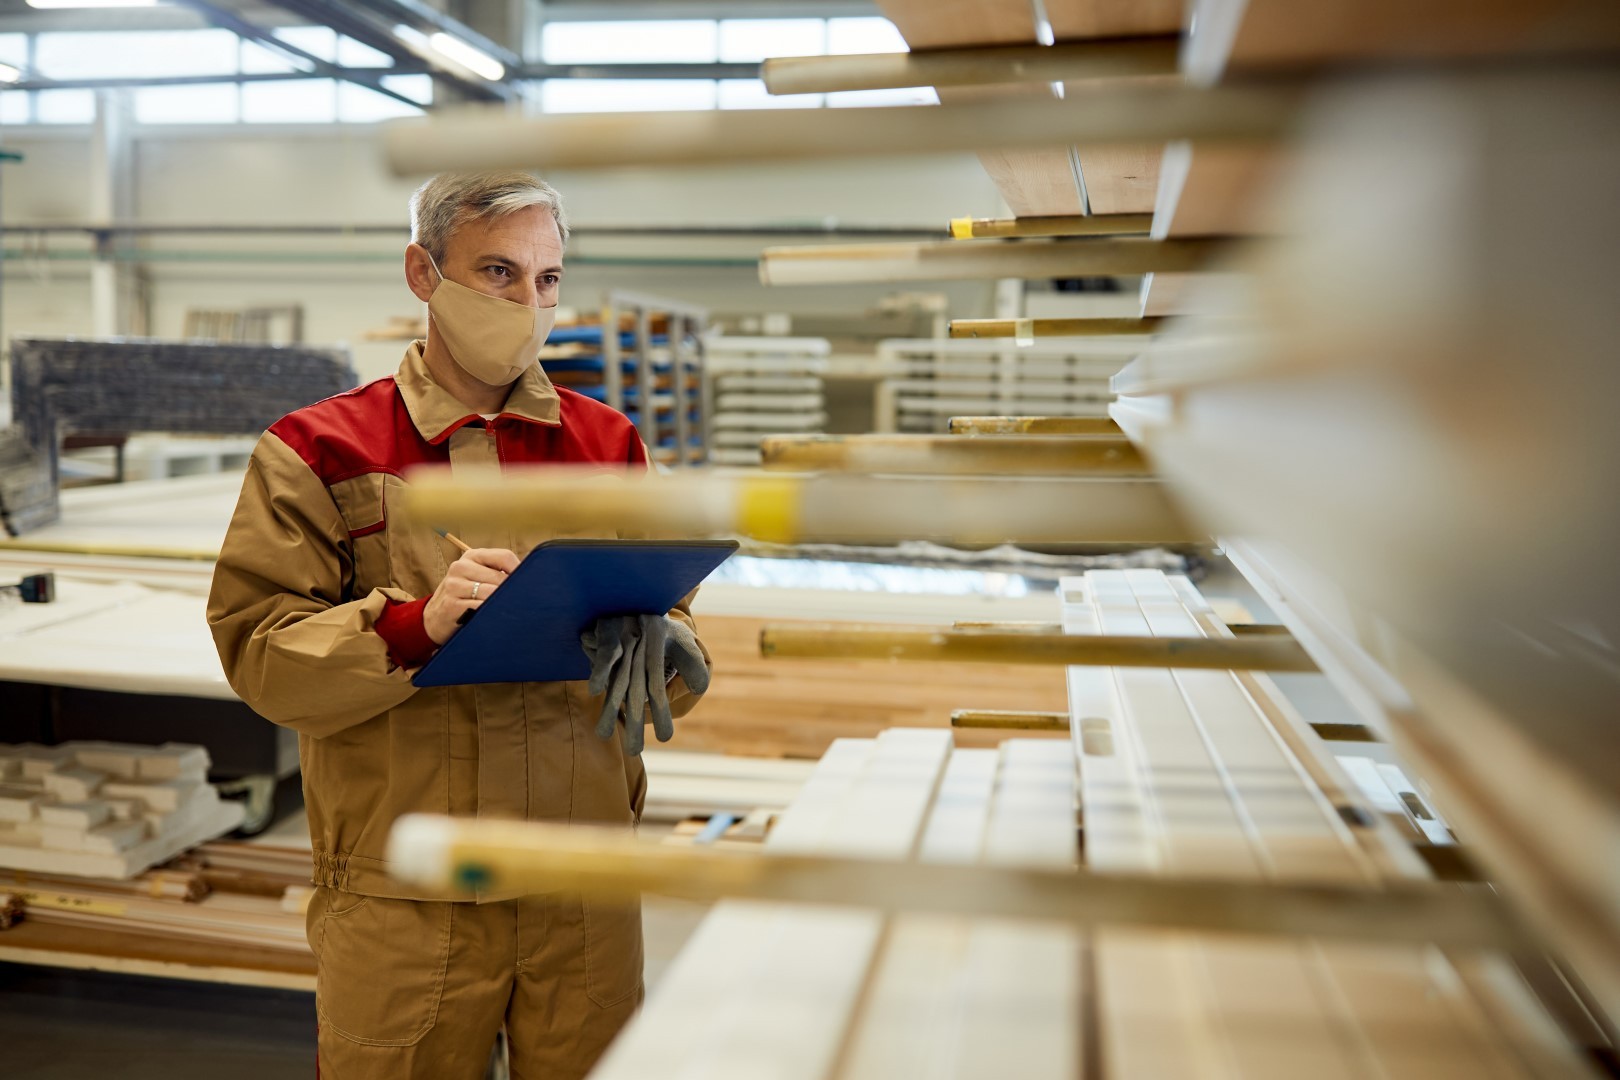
(1258, 34)
(1214, 189)
(835, 509)
(1003, 228)
(1021, 1010)
(914, 998)
(130, 953)
(1128, 114)
(1125, 650)
(1297, 832)
(936, 24)
(823, 264)
(1121, 178)
(976, 66)
(783, 1010)
(989, 455)
(1079, 19)
(1028, 329)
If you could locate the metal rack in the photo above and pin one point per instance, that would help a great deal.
(630, 373)
(926, 381)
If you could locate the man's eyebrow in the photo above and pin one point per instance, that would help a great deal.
(508, 261)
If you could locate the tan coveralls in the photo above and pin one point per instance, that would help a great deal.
(413, 982)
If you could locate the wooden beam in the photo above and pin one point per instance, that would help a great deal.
(1342, 732)
(789, 509)
(475, 139)
(989, 647)
(830, 264)
(1008, 720)
(1029, 329)
(1071, 61)
(535, 858)
(968, 228)
(1032, 425)
(946, 455)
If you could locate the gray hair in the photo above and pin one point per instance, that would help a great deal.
(443, 203)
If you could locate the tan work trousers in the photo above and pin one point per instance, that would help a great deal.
(411, 989)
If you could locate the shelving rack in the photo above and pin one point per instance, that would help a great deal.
(926, 381)
(657, 379)
(763, 386)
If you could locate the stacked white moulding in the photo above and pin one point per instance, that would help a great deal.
(763, 386)
(1195, 773)
(96, 809)
(805, 993)
(926, 381)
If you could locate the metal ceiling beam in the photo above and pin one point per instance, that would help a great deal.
(229, 20)
(353, 76)
(366, 27)
(416, 14)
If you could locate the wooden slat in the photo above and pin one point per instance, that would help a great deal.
(1034, 182)
(1257, 34)
(936, 24)
(1078, 19)
(1121, 179)
(1274, 1008)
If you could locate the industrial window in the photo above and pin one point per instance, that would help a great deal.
(134, 54)
(866, 35)
(750, 94)
(64, 106)
(918, 95)
(626, 95)
(748, 41)
(357, 104)
(14, 107)
(207, 103)
(297, 101)
(666, 41)
(730, 41)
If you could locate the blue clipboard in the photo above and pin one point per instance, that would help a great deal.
(528, 631)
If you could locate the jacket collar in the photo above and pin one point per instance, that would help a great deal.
(437, 414)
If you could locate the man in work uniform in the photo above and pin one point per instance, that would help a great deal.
(323, 602)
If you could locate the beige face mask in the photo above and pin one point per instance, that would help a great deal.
(493, 340)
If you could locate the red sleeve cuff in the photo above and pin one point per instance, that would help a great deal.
(401, 626)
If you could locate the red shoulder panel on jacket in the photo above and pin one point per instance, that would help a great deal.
(363, 430)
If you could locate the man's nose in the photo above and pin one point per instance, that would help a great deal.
(529, 294)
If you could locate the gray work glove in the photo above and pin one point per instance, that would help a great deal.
(633, 657)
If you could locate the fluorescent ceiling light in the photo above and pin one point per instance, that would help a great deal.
(9, 74)
(59, 4)
(474, 60)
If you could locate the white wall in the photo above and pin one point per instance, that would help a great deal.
(335, 175)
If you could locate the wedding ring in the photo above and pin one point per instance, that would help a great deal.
(476, 584)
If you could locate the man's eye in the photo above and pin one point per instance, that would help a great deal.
(501, 271)
(551, 279)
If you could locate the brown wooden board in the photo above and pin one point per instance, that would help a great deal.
(796, 708)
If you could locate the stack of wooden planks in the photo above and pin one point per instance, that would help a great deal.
(762, 386)
(1203, 774)
(1211, 774)
(226, 911)
(98, 809)
(777, 990)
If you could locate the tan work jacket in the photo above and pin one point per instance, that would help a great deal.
(315, 561)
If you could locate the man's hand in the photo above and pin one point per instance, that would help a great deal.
(466, 585)
(633, 658)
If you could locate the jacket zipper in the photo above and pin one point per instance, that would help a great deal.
(495, 442)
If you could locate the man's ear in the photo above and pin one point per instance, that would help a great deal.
(419, 273)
